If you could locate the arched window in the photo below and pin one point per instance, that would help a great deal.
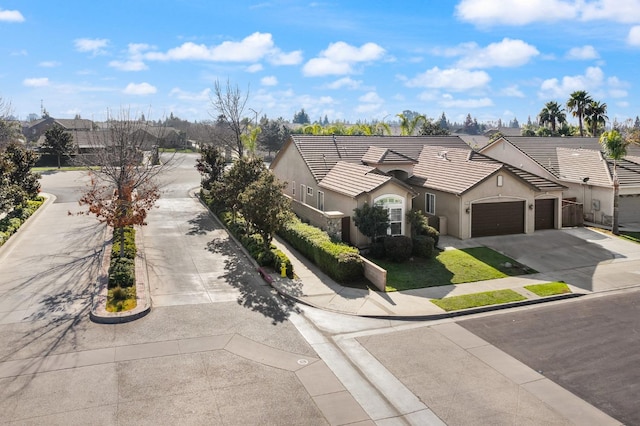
(394, 205)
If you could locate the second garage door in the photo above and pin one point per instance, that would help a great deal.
(497, 219)
(545, 214)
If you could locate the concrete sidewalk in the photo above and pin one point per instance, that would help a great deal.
(314, 288)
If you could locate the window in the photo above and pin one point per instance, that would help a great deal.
(321, 201)
(303, 193)
(430, 203)
(500, 178)
(309, 191)
(293, 189)
(395, 209)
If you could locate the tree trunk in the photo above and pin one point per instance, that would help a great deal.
(616, 190)
(58, 161)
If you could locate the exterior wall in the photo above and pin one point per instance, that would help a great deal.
(597, 202)
(447, 205)
(507, 153)
(330, 222)
(375, 274)
(290, 168)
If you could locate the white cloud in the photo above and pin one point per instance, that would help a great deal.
(370, 97)
(95, 46)
(36, 82)
(269, 81)
(592, 80)
(131, 65)
(340, 57)
(514, 12)
(140, 89)
(345, 82)
(634, 36)
(254, 68)
(506, 53)
(466, 103)
(582, 53)
(512, 92)
(49, 64)
(205, 95)
(451, 79)
(521, 12)
(252, 48)
(11, 16)
(370, 102)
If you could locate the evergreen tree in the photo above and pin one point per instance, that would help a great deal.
(301, 117)
(444, 124)
(58, 142)
(636, 124)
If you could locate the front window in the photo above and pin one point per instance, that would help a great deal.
(395, 208)
(430, 203)
(321, 201)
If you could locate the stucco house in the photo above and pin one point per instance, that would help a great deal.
(580, 165)
(467, 194)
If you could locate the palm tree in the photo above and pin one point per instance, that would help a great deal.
(408, 126)
(577, 104)
(614, 146)
(552, 114)
(595, 116)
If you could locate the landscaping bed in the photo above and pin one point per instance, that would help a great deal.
(10, 224)
(121, 295)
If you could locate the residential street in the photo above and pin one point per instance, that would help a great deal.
(218, 347)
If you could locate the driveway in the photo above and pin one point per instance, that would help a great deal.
(578, 256)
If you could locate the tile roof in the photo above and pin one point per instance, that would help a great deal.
(353, 179)
(574, 165)
(321, 153)
(380, 155)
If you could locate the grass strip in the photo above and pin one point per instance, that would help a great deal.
(549, 289)
(475, 300)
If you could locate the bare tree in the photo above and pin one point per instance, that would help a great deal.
(124, 188)
(9, 128)
(229, 104)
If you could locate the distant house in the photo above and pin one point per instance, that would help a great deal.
(464, 193)
(35, 130)
(580, 165)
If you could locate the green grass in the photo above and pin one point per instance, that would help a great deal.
(182, 150)
(631, 236)
(548, 289)
(121, 299)
(475, 300)
(450, 267)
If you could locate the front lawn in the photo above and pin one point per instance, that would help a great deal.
(450, 267)
(549, 289)
(455, 303)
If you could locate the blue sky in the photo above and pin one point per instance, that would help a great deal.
(348, 60)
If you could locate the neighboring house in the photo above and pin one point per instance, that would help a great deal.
(164, 137)
(467, 194)
(35, 130)
(580, 165)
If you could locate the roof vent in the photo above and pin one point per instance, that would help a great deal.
(442, 155)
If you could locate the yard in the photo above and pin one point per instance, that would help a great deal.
(450, 267)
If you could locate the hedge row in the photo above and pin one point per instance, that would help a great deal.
(16, 217)
(254, 243)
(122, 271)
(338, 260)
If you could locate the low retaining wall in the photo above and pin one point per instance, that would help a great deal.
(375, 274)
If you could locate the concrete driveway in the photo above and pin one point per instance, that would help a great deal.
(579, 256)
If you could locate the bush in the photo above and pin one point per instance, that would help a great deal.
(338, 260)
(281, 258)
(398, 248)
(129, 243)
(423, 246)
(376, 250)
(16, 217)
(121, 272)
(434, 234)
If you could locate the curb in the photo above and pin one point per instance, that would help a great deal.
(99, 313)
(7, 246)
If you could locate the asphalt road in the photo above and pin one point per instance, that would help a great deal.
(589, 346)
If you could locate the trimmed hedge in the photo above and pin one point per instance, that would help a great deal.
(16, 217)
(398, 248)
(423, 246)
(338, 260)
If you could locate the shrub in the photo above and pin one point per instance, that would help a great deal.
(121, 272)
(423, 246)
(376, 249)
(281, 258)
(398, 248)
(129, 243)
(434, 234)
(16, 217)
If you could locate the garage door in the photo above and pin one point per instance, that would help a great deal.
(628, 209)
(497, 218)
(545, 214)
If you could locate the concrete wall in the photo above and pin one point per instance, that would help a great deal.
(375, 274)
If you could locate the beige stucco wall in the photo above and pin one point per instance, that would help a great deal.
(507, 153)
(447, 205)
(289, 167)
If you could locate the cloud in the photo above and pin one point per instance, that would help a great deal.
(592, 80)
(140, 89)
(451, 79)
(506, 53)
(466, 103)
(11, 16)
(634, 36)
(512, 92)
(269, 81)
(514, 12)
(36, 82)
(369, 103)
(252, 48)
(490, 13)
(205, 95)
(254, 68)
(49, 64)
(345, 82)
(131, 65)
(340, 57)
(582, 53)
(95, 46)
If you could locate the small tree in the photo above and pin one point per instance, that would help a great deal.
(372, 221)
(432, 128)
(243, 172)
(273, 135)
(17, 183)
(58, 141)
(210, 165)
(301, 117)
(265, 207)
(229, 104)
